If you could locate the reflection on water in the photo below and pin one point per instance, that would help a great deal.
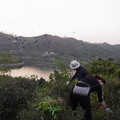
(29, 71)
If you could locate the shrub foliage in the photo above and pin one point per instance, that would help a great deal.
(31, 99)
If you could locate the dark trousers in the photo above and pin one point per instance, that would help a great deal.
(84, 102)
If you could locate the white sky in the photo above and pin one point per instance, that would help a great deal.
(88, 20)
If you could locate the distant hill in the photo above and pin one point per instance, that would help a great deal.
(40, 46)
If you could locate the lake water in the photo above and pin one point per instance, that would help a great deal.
(29, 71)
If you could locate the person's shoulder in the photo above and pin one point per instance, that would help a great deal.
(81, 68)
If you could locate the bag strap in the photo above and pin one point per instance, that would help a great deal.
(88, 84)
(84, 83)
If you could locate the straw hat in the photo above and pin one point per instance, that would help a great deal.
(74, 64)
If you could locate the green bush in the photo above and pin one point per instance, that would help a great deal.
(15, 93)
(105, 67)
(50, 107)
(28, 99)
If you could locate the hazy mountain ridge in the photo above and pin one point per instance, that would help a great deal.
(66, 47)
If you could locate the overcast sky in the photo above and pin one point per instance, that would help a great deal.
(88, 20)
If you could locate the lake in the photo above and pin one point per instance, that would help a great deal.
(29, 71)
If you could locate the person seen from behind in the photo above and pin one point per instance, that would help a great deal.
(80, 73)
(81, 95)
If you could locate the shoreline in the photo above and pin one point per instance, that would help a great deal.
(12, 65)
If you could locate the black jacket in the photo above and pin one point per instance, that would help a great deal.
(95, 86)
(81, 72)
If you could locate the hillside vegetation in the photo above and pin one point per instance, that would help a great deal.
(45, 47)
(37, 99)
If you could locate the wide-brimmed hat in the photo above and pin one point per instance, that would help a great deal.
(74, 64)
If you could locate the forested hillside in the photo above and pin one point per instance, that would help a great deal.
(48, 45)
(37, 99)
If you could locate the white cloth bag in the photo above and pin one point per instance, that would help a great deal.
(83, 91)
